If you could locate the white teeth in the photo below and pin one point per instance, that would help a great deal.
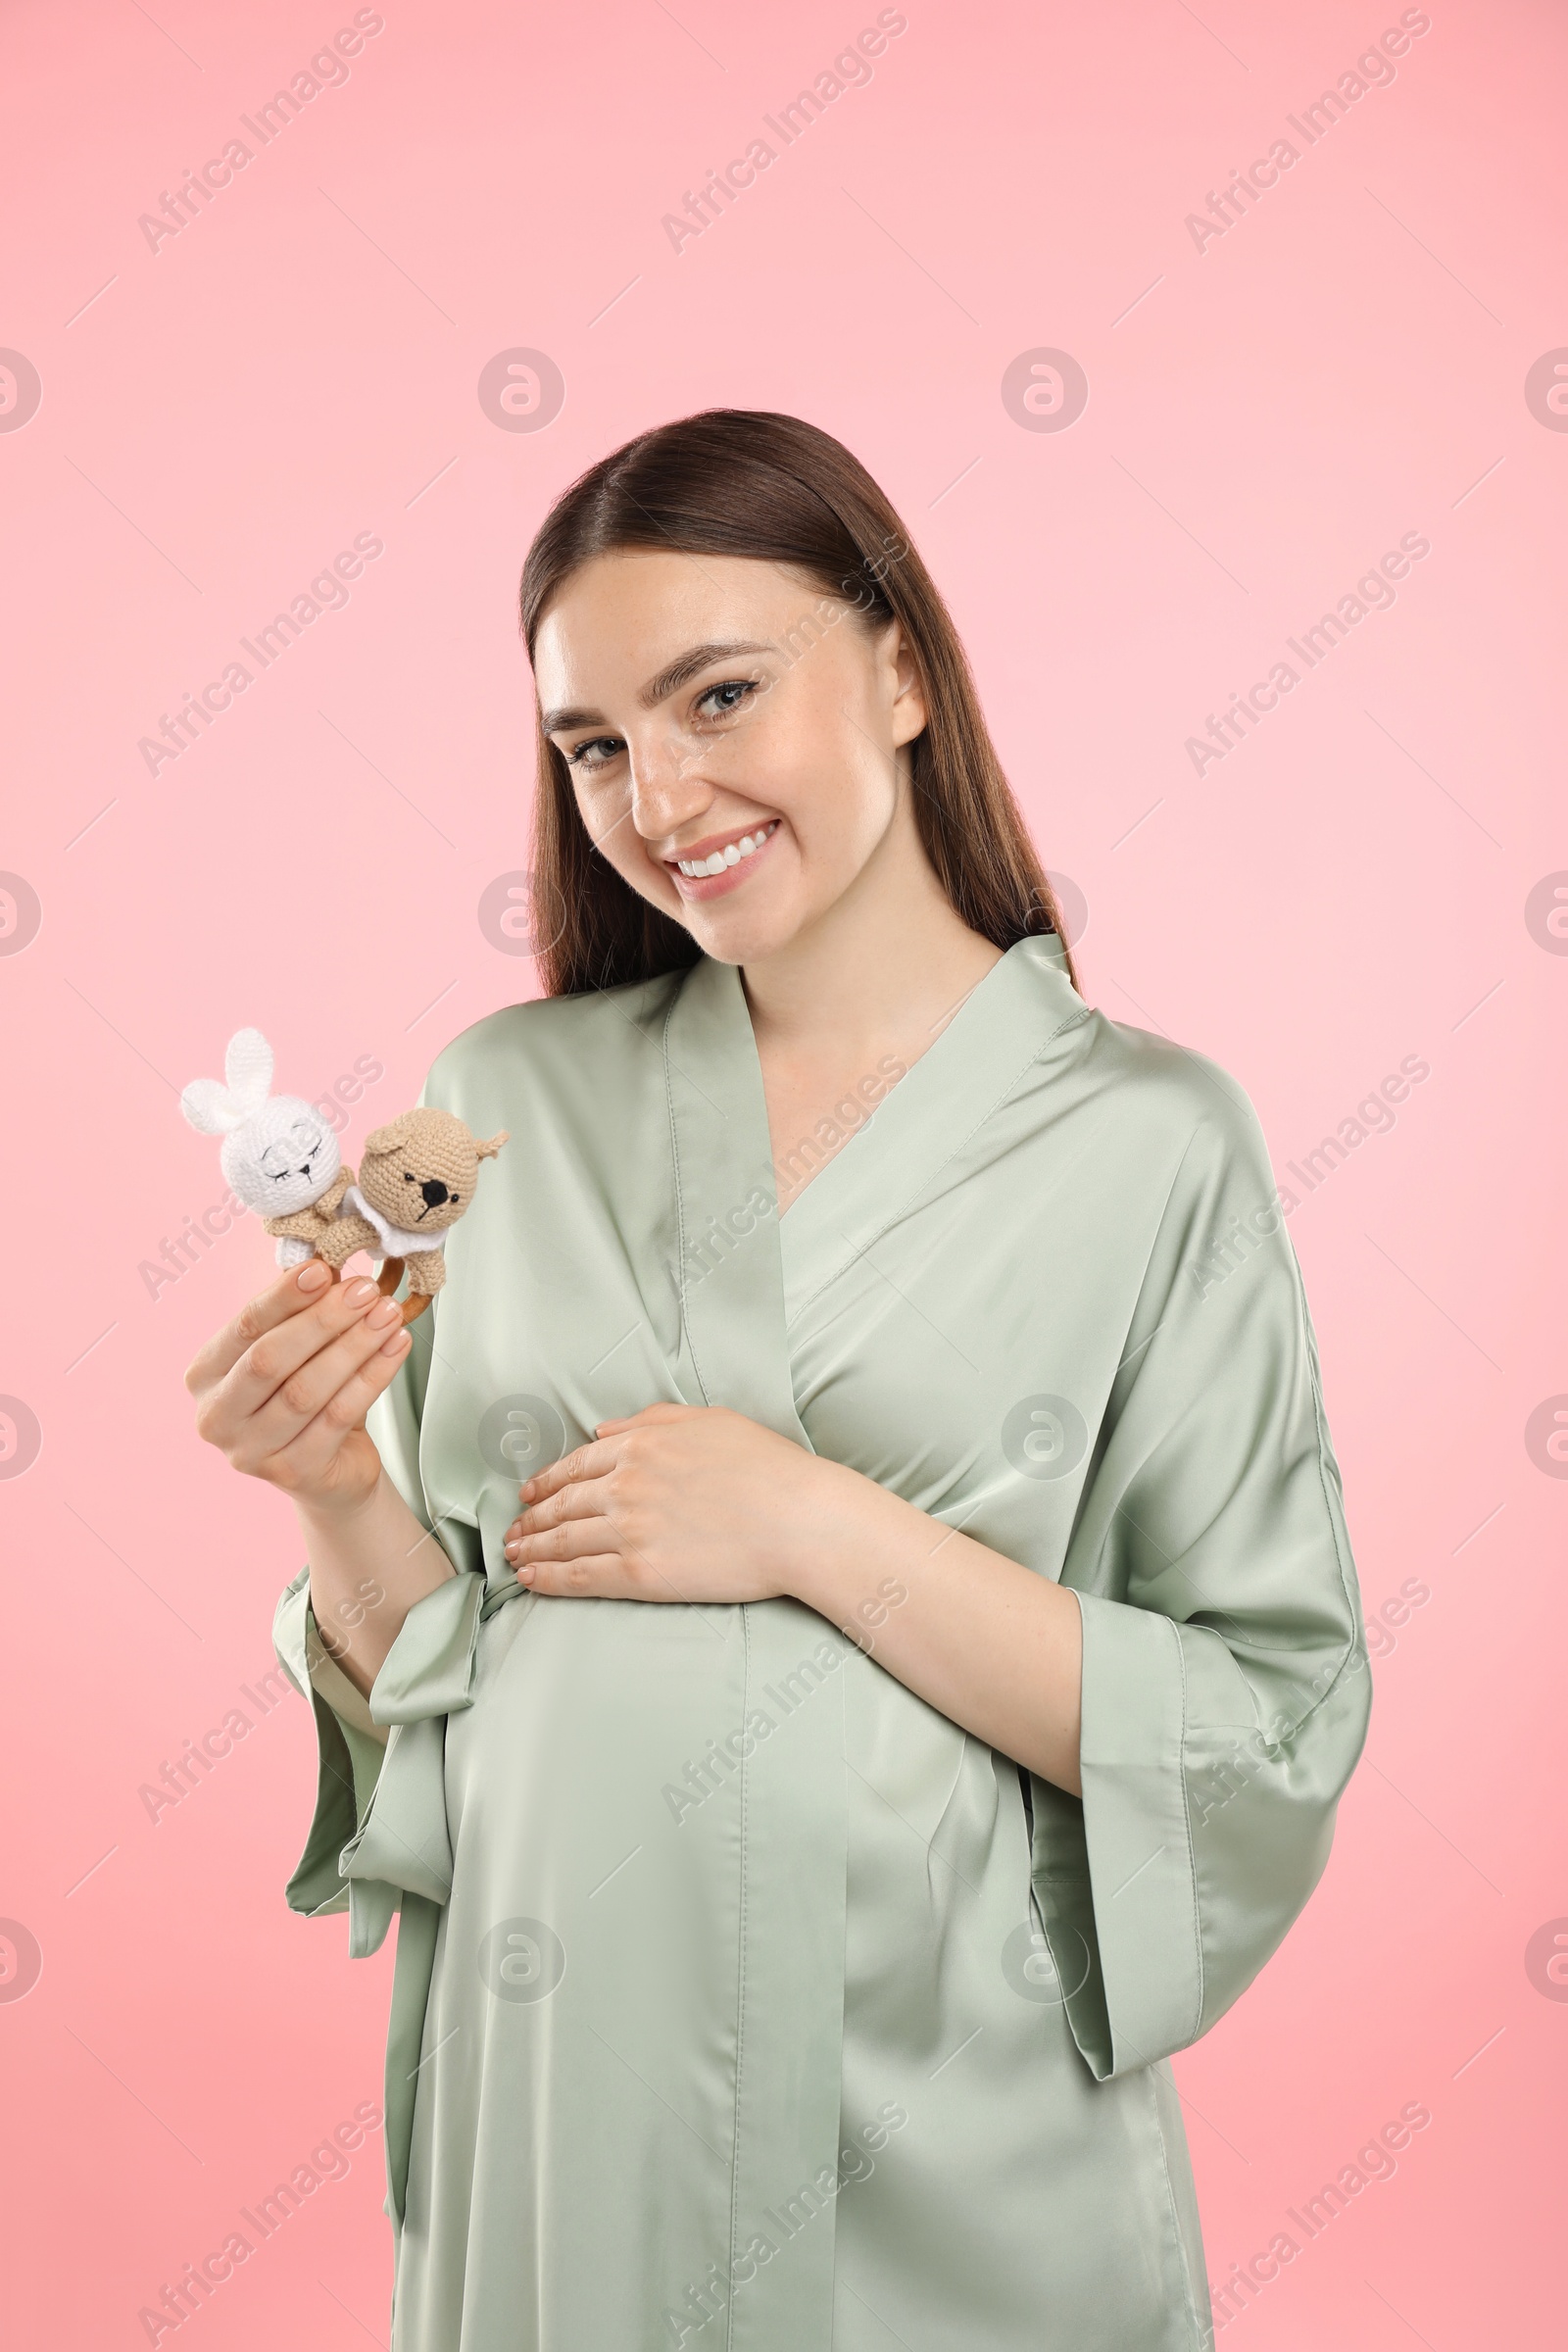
(696, 868)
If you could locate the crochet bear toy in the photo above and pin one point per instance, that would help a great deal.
(416, 1180)
(281, 1158)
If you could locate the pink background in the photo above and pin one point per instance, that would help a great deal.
(1348, 886)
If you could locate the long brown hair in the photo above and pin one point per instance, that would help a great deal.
(747, 482)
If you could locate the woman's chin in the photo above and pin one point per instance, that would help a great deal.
(739, 924)
(734, 931)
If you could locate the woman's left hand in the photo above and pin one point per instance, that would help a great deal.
(680, 1504)
(697, 1504)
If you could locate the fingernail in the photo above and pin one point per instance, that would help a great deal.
(525, 1574)
(395, 1345)
(310, 1277)
(359, 1291)
(388, 1311)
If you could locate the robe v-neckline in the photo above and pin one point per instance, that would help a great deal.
(933, 1110)
(724, 1155)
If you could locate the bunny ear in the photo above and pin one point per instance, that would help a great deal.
(204, 1104)
(247, 1069)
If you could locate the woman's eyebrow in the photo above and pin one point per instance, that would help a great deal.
(673, 675)
(688, 664)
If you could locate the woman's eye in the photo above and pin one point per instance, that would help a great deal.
(597, 753)
(719, 700)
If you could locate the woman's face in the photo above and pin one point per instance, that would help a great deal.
(734, 736)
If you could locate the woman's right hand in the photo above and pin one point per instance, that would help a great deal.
(283, 1388)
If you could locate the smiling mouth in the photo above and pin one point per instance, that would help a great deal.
(723, 855)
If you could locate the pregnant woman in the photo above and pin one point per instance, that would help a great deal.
(835, 1634)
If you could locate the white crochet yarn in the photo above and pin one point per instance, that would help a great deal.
(396, 1240)
(279, 1154)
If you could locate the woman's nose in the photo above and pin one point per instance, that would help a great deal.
(668, 787)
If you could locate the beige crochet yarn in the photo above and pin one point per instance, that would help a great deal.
(314, 1223)
(416, 1180)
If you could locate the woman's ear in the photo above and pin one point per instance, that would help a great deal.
(909, 687)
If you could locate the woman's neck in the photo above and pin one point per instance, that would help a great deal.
(882, 971)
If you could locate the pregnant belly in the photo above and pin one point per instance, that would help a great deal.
(595, 1794)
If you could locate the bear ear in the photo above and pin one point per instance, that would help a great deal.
(388, 1138)
(488, 1150)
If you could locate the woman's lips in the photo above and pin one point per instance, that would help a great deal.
(729, 877)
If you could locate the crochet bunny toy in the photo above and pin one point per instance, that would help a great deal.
(280, 1158)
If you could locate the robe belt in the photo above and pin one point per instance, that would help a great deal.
(403, 1845)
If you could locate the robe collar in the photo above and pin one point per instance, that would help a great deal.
(1008, 1021)
(729, 1271)
(734, 1301)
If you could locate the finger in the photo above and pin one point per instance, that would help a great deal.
(599, 1575)
(274, 1358)
(583, 1501)
(558, 1551)
(585, 1461)
(662, 1411)
(303, 1462)
(289, 1295)
(294, 1404)
(577, 1539)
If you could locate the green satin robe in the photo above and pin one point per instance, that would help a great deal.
(742, 2000)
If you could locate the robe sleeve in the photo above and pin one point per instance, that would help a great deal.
(1225, 1682)
(351, 1745)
